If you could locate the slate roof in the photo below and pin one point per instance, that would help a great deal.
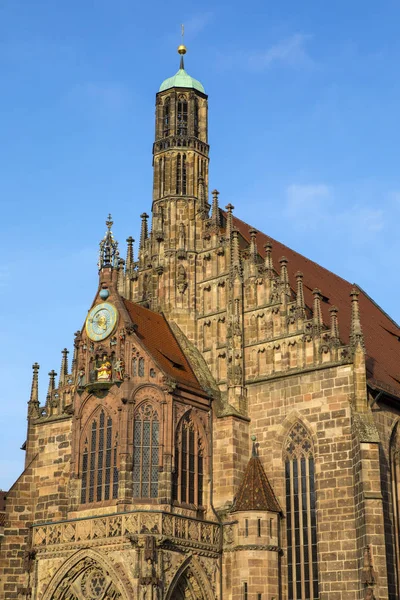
(255, 491)
(381, 334)
(154, 332)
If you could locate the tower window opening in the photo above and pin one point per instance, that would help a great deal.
(166, 117)
(259, 527)
(178, 174)
(196, 118)
(182, 116)
(184, 179)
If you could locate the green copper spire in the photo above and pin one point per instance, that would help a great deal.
(181, 79)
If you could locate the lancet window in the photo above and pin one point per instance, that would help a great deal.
(395, 477)
(166, 117)
(301, 516)
(182, 116)
(146, 435)
(196, 118)
(181, 174)
(189, 463)
(99, 461)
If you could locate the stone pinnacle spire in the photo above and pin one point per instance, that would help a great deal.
(334, 323)
(64, 368)
(33, 404)
(144, 233)
(108, 256)
(129, 255)
(356, 335)
(317, 318)
(229, 221)
(52, 385)
(215, 209)
(268, 264)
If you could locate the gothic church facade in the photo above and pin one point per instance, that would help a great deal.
(228, 427)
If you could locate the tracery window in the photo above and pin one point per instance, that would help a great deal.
(146, 434)
(189, 463)
(166, 117)
(182, 116)
(99, 461)
(134, 366)
(301, 516)
(395, 478)
(141, 367)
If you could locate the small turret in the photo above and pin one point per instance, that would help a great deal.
(108, 256)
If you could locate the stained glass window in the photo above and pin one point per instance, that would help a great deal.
(145, 452)
(99, 480)
(189, 464)
(301, 516)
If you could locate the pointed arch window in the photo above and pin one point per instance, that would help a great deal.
(395, 480)
(301, 516)
(189, 463)
(196, 118)
(99, 461)
(182, 116)
(166, 117)
(181, 174)
(146, 434)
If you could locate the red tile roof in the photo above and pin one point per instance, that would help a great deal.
(155, 334)
(255, 491)
(381, 334)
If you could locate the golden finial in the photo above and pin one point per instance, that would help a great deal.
(182, 47)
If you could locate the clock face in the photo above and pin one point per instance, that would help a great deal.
(101, 321)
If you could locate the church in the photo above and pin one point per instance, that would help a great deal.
(227, 424)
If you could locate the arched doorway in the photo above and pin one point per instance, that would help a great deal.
(189, 585)
(86, 579)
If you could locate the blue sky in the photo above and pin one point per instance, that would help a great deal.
(304, 134)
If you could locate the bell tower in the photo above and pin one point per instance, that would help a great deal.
(180, 150)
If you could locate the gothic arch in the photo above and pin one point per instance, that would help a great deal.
(190, 583)
(285, 427)
(79, 572)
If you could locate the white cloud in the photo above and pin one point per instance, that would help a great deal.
(197, 23)
(315, 205)
(290, 52)
(109, 96)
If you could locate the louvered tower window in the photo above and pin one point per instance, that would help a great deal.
(395, 477)
(301, 516)
(99, 461)
(166, 117)
(189, 464)
(181, 174)
(196, 118)
(182, 116)
(145, 452)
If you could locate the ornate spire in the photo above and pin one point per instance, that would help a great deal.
(356, 335)
(269, 267)
(334, 323)
(52, 386)
(215, 210)
(236, 263)
(33, 404)
(229, 221)
(253, 245)
(182, 48)
(108, 248)
(64, 368)
(284, 280)
(317, 317)
(300, 304)
(129, 256)
(144, 233)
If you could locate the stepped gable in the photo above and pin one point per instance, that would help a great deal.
(255, 491)
(154, 332)
(381, 334)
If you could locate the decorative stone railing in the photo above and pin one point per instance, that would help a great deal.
(173, 528)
